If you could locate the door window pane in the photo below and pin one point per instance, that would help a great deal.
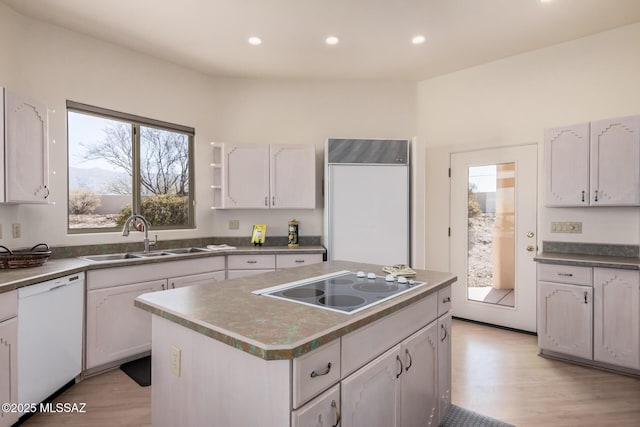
(491, 238)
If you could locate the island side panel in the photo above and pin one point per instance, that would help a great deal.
(217, 385)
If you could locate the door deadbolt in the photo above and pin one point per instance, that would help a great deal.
(530, 234)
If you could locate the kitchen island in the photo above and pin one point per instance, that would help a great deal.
(224, 356)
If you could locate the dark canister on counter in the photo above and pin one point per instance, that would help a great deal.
(293, 233)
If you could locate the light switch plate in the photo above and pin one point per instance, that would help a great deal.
(15, 229)
(234, 224)
(566, 227)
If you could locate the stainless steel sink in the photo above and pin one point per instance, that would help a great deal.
(111, 257)
(153, 254)
(186, 250)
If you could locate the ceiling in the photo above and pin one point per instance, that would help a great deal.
(375, 35)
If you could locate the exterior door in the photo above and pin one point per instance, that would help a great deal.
(493, 235)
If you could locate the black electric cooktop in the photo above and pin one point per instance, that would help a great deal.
(344, 291)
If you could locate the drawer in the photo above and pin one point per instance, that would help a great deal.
(8, 305)
(251, 262)
(323, 409)
(565, 274)
(315, 371)
(296, 260)
(444, 300)
(367, 343)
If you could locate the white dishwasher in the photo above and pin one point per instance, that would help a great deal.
(50, 319)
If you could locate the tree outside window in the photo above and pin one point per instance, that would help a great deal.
(118, 167)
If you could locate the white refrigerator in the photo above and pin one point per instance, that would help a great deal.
(367, 201)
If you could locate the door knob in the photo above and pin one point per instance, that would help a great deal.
(530, 234)
(530, 248)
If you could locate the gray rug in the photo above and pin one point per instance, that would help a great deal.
(460, 417)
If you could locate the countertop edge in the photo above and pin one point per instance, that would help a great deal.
(588, 260)
(60, 267)
(287, 352)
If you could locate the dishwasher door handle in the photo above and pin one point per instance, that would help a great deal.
(58, 287)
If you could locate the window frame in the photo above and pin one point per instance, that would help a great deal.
(136, 123)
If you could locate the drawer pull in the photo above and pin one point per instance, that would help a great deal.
(299, 261)
(585, 297)
(252, 261)
(565, 274)
(444, 330)
(319, 374)
(446, 300)
(410, 359)
(338, 416)
(401, 367)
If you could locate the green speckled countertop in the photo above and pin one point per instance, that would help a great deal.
(270, 328)
(14, 278)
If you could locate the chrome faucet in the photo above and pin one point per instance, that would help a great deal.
(127, 224)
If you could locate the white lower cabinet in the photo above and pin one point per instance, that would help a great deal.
(323, 411)
(195, 279)
(398, 388)
(371, 396)
(597, 319)
(116, 328)
(565, 319)
(444, 364)
(8, 369)
(616, 317)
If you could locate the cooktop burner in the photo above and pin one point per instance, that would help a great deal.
(343, 291)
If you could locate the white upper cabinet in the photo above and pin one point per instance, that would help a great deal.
(615, 162)
(593, 164)
(566, 157)
(293, 176)
(262, 176)
(24, 171)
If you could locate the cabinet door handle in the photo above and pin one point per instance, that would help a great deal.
(173, 285)
(596, 197)
(410, 363)
(583, 195)
(565, 274)
(334, 405)
(321, 373)
(444, 331)
(266, 201)
(585, 297)
(273, 201)
(162, 286)
(401, 367)
(446, 300)
(48, 192)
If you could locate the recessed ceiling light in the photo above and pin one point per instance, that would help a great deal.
(332, 40)
(419, 39)
(255, 40)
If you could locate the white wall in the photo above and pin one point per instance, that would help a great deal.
(52, 64)
(510, 102)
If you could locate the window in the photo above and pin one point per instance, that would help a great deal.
(121, 164)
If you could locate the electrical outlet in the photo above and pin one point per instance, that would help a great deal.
(176, 356)
(566, 227)
(15, 229)
(234, 224)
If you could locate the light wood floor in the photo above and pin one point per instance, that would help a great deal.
(495, 372)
